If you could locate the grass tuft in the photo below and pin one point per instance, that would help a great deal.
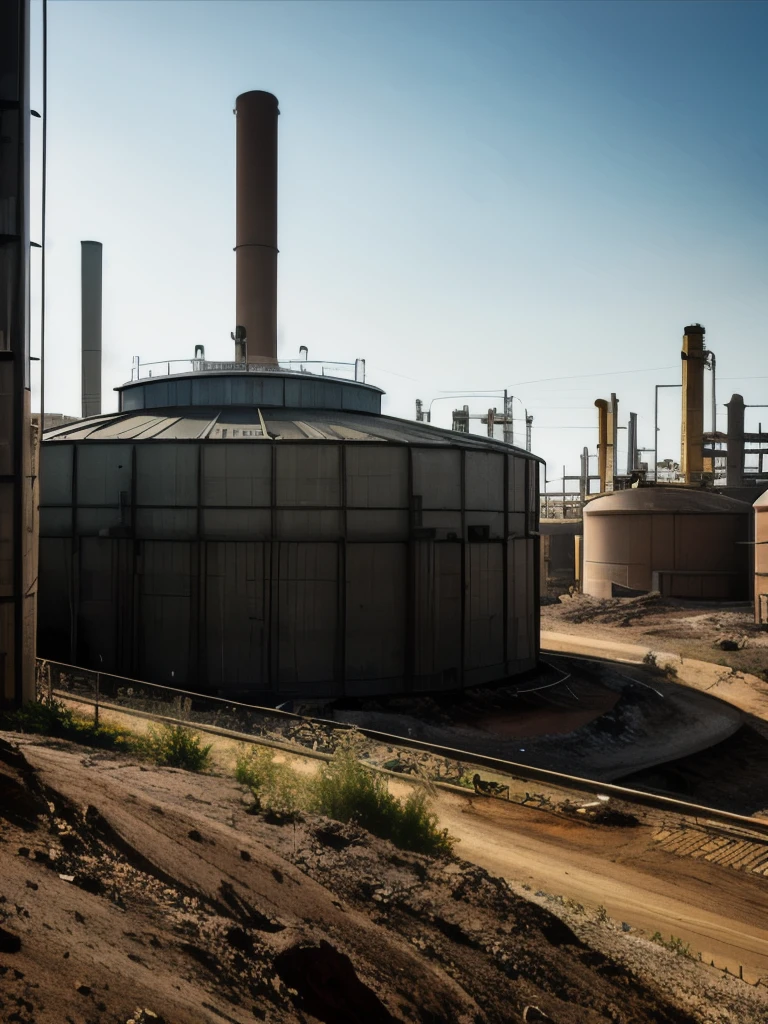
(347, 791)
(278, 789)
(175, 746)
(51, 717)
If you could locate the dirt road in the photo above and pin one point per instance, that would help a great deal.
(722, 913)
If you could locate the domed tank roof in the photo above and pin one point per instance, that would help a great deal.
(665, 500)
(246, 423)
(762, 501)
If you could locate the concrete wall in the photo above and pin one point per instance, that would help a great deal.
(290, 568)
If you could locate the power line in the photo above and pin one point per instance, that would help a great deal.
(576, 376)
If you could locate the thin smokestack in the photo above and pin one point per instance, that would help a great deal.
(692, 442)
(256, 241)
(90, 285)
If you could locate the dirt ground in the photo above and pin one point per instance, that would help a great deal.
(692, 629)
(132, 893)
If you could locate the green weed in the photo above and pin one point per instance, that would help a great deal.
(345, 790)
(175, 746)
(278, 789)
(675, 945)
(51, 717)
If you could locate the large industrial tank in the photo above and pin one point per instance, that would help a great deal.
(271, 533)
(761, 559)
(682, 542)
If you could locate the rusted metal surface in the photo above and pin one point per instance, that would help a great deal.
(256, 238)
(761, 560)
(694, 358)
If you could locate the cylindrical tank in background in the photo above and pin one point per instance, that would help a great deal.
(684, 543)
(90, 286)
(761, 560)
(256, 239)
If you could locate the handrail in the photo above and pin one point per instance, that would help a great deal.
(315, 367)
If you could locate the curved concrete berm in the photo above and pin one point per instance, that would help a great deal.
(680, 541)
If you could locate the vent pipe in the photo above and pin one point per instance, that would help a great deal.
(692, 434)
(602, 440)
(735, 460)
(607, 427)
(256, 228)
(90, 290)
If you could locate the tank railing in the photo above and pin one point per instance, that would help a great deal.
(315, 367)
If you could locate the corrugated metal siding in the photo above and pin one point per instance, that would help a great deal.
(326, 575)
(376, 614)
(165, 576)
(307, 621)
(235, 616)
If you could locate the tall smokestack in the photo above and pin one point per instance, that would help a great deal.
(256, 238)
(692, 441)
(90, 288)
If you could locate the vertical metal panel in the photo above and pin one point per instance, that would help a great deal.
(236, 523)
(56, 474)
(103, 471)
(375, 619)
(484, 481)
(235, 475)
(166, 474)
(235, 616)
(164, 625)
(520, 628)
(96, 627)
(308, 475)
(55, 606)
(308, 524)
(7, 540)
(307, 610)
(377, 524)
(437, 614)
(163, 523)
(377, 477)
(6, 416)
(437, 478)
(516, 483)
(485, 605)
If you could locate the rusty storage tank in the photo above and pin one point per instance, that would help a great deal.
(682, 542)
(273, 534)
(761, 560)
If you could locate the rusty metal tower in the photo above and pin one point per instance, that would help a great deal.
(18, 512)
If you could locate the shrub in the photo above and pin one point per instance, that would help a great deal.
(344, 790)
(278, 788)
(674, 945)
(348, 790)
(174, 746)
(50, 717)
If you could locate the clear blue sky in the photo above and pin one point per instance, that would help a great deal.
(472, 195)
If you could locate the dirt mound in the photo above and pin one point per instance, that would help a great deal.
(149, 895)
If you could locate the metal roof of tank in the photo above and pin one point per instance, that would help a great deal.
(249, 423)
(762, 501)
(675, 499)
